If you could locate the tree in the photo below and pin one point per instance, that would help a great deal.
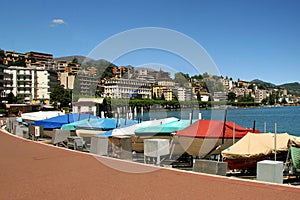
(11, 98)
(75, 60)
(108, 72)
(272, 99)
(205, 75)
(283, 101)
(251, 86)
(20, 62)
(181, 78)
(154, 96)
(246, 98)
(2, 54)
(199, 97)
(61, 95)
(20, 98)
(265, 101)
(218, 87)
(162, 97)
(231, 96)
(197, 77)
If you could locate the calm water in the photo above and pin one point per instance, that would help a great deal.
(286, 118)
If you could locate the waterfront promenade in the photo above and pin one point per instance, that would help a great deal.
(30, 170)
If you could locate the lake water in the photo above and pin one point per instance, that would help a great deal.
(286, 118)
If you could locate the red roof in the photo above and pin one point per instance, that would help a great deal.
(214, 129)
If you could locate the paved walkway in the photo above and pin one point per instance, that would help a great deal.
(29, 170)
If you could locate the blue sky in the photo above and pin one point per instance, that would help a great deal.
(246, 39)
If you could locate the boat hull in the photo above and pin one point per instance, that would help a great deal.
(202, 147)
(88, 133)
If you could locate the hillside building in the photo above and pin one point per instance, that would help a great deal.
(220, 96)
(2, 80)
(127, 88)
(39, 60)
(28, 82)
(84, 83)
(184, 94)
(260, 95)
(227, 83)
(12, 57)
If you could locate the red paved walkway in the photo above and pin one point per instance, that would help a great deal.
(34, 171)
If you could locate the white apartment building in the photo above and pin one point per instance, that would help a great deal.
(86, 83)
(220, 96)
(260, 95)
(67, 80)
(42, 83)
(241, 91)
(28, 82)
(227, 83)
(127, 88)
(184, 94)
(166, 83)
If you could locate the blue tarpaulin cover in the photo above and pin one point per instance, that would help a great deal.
(57, 122)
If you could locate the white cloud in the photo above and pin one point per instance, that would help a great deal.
(56, 22)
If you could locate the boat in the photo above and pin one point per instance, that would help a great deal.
(88, 127)
(162, 131)
(137, 142)
(58, 121)
(253, 148)
(209, 137)
(40, 115)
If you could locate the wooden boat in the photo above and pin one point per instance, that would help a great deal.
(209, 137)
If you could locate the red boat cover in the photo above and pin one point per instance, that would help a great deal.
(214, 129)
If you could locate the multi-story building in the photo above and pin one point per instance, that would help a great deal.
(40, 60)
(241, 91)
(86, 83)
(126, 88)
(167, 83)
(184, 94)
(28, 82)
(220, 96)
(67, 66)
(227, 83)
(67, 71)
(147, 74)
(53, 78)
(204, 96)
(11, 58)
(242, 83)
(2, 80)
(30, 59)
(168, 94)
(67, 80)
(260, 95)
(42, 84)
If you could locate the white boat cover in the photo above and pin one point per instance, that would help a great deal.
(40, 115)
(130, 129)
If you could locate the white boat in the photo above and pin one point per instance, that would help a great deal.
(40, 115)
(137, 141)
